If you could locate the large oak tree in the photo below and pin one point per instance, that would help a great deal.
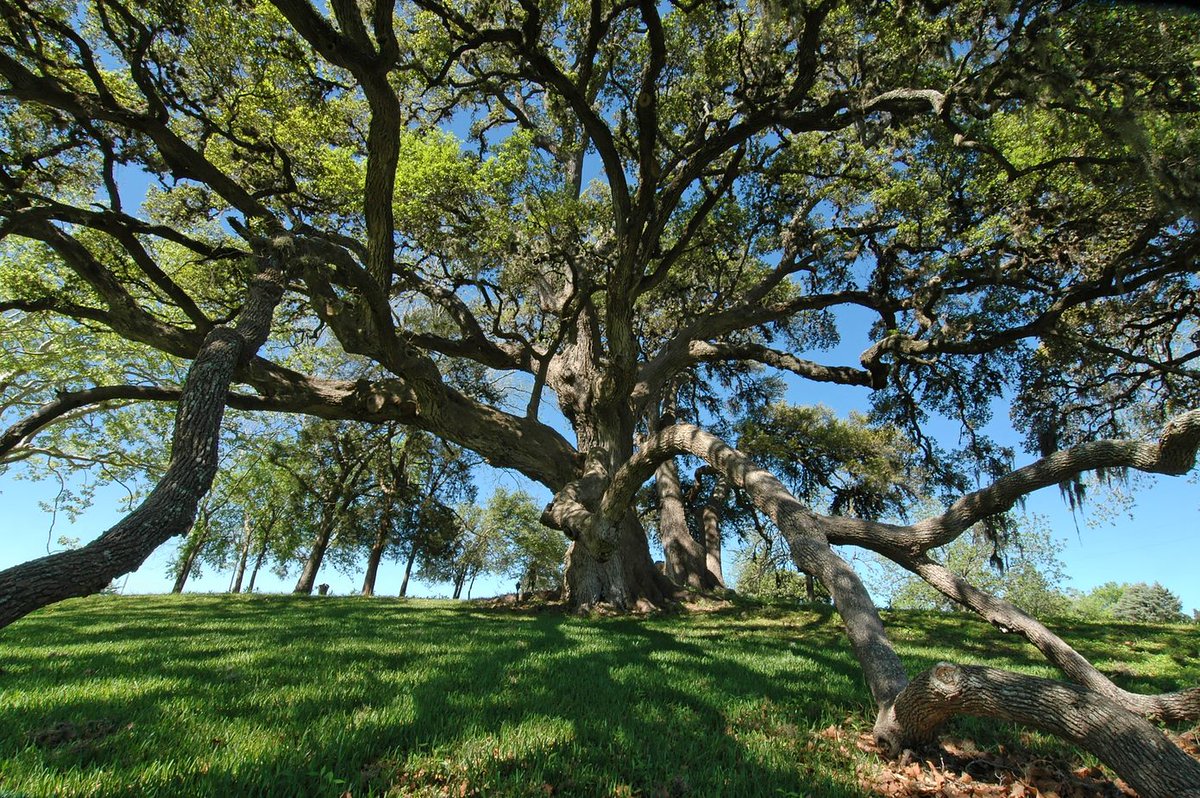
(609, 201)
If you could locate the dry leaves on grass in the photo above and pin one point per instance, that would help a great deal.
(960, 770)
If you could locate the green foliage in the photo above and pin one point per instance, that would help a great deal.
(1148, 604)
(771, 579)
(534, 552)
(1121, 601)
(1030, 574)
(1097, 604)
(284, 696)
(851, 466)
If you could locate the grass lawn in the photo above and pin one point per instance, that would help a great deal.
(278, 695)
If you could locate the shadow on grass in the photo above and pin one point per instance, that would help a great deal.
(301, 696)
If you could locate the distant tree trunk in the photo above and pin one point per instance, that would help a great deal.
(376, 553)
(710, 523)
(471, 585)
(243, 555)
(308, 576)
(170, 508)
(192, 546)
(258, 561)
(683, 555)
(810, 588)
(460, 579)
(408, 566)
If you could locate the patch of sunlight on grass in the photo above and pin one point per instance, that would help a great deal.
(283, 695)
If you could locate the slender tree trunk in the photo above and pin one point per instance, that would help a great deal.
(460, 579)
(471, 585)
(191, 550)
(308, 576)
(683, 555)
(710, 522)
(810, 588)
(373, 559)
(258, 561)
(376, 554)
(243, 555)
(408, 566)
(171, 507)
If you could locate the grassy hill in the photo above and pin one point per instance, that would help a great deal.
(277, 695)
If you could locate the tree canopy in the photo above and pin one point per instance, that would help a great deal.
(619, 207)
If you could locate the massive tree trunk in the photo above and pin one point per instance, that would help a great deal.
(626, 578)
(170, 508)
(683, 555)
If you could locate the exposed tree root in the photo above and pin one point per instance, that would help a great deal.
(1134, 748)
(1171, 707)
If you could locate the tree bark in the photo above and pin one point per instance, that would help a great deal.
(1136, 750)
(244, 555)
(912, 712)
(683, 555)
(408, 566)
(710, 522)
(1171, 707)
(308, 576)
(170, 508)
(376, 554)
(626, 579)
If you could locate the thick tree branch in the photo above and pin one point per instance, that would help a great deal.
(171, 506)
(1174, 454)
(1135, 749)
(1171, 707)
(707, 352)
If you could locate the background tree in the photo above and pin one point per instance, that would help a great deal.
(1027, 573)
(534, 555)
(1098, 602)
(1148, 604)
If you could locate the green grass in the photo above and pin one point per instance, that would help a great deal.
(276, 695)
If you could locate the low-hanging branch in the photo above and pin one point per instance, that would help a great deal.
(171, 505)
(912, 712)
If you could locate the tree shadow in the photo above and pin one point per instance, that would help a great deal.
(374, 697)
